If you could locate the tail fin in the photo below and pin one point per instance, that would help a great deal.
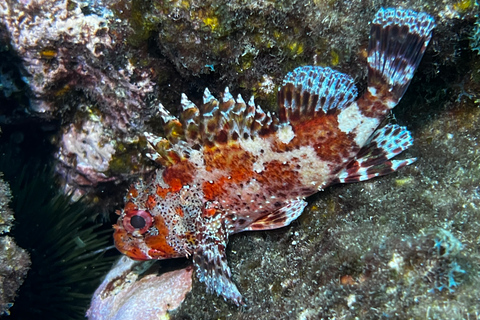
(398, 39)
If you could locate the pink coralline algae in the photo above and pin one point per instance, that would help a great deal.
(64, 49)
(85, 154)
(122, 296)
(72, 63)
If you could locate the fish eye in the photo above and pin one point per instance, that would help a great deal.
(137, 220)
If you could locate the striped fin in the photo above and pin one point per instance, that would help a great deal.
(398, 40)
(230, 119)
(279, 218)
(210, 260)
(373, 160)
(214, 122)
(161, 150)
(309, 91)
(190, 120)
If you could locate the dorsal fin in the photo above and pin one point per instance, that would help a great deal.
(190, 119)
(230, 119)
(309, 91)
(214, 122)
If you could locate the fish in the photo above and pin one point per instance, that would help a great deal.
(227, 166)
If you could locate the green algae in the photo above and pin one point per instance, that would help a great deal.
(126, 160)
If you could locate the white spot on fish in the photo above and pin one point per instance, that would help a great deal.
(285, 134)
(352, 120)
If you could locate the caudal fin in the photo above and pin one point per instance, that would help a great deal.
(398, 40)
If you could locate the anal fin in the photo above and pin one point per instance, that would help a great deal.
(279, 218)
(373, 160)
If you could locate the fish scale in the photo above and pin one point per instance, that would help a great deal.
(226, 166)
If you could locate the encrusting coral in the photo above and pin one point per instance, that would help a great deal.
(14, 261)
(70, 65)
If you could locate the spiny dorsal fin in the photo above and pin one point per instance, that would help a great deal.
(215, 122)
(230, 119)
(309, 91)
(190, 119)
(173, 148)
(173, 129)
(161, 150)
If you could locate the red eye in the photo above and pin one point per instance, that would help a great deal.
(137, 220)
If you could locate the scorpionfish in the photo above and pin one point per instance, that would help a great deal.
(227, 166)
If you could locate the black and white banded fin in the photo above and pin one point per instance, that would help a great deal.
(374, 160)
(398, 39)
(311, 91)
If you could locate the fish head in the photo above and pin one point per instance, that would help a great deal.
(141, 236)
(156, 225)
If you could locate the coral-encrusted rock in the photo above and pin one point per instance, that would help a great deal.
(14, 261)
(14, 265)
(71, 59)
(85, 154)
(63, 49)
(122, 297)
(6, 214)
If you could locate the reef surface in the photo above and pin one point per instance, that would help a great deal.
(91, 75)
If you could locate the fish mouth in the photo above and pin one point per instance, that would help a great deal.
(122, 243)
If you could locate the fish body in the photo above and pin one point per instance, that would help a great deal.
(227, 166)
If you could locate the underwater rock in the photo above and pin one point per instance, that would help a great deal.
(85, 153)
(14, 265)
(42, 37)
(123, 295)
(14, 261)
(6, 214)
(70, 60)
(63, 47)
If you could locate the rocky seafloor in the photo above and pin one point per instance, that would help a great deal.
(86, 79)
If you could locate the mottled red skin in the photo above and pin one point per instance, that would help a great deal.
(233, 167)
(231, 193)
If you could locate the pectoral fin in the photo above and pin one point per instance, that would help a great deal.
(279, 218)
(211, 261)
